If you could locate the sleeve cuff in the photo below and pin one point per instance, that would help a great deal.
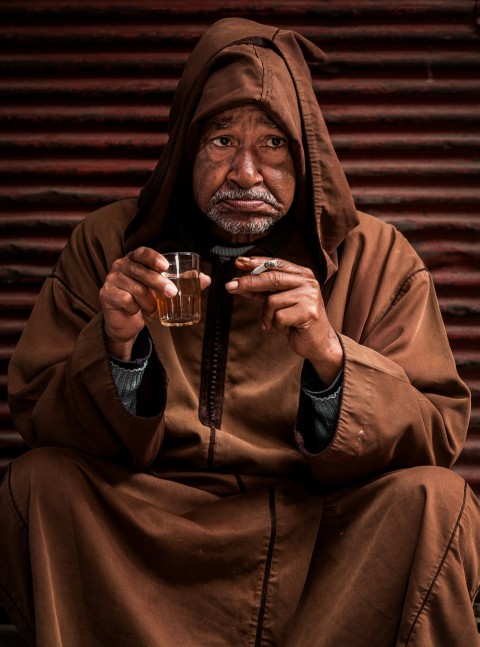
(141, 352)
(127, 381)
(313, 386)
(128, 375)
(319, 410)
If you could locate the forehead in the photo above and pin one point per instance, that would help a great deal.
(250, 114)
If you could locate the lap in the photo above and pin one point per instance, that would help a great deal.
(329, 559)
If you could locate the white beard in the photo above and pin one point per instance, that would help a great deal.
(244, 224)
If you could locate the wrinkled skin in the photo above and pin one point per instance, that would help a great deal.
(244, 181)
(242, 150)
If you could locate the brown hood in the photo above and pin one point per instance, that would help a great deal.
(269, 68)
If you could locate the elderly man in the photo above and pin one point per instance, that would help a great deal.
(277, 474)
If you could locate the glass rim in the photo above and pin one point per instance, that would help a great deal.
(181, 262)
(167, 254)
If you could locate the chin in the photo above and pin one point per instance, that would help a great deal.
(248, 225)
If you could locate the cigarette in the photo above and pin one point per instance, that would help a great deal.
(265, 266)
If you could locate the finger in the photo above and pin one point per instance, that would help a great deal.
(283, 319)
(147, 277)
(274, 303)
(248, 264)
(149, 258)
(205, 281)
(273, 280)
(115, 299)
(129, 297)
(293, 308)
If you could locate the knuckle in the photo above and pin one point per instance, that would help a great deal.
(312, 291)
(116, 265)
(106, 289)
(138, 252)
(246, 282)
(136, 257)
(279, 318)
(124, 299)
(276, 278)
(271, 301)
(313, 284)
(312, 312)
(134, 271)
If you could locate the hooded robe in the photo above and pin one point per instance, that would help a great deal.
(202, 519)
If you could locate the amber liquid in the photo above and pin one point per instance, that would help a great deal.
(184, 308)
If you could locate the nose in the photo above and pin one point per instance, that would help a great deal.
(244, 169)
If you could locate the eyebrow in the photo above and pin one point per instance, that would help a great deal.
(228, 122)
(219, 124)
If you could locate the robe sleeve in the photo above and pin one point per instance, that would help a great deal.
(403, 403)
(61, 387)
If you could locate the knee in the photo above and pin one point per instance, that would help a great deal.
(42, 474)
(42, 463)
(438, 490)
(434, 481)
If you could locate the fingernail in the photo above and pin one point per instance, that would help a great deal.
(243, 259)
(170, 290)
(231, 285)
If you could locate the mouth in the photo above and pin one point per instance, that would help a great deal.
(257, 207)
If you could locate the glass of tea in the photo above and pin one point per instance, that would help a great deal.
(184, 309)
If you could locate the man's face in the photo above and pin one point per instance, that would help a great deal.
(243, 176)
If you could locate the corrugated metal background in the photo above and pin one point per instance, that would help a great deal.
(85, 91)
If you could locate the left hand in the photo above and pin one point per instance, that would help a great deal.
(293, 303)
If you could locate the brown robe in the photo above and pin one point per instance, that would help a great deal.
(203, 520)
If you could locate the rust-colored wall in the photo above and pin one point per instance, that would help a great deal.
(85, 89)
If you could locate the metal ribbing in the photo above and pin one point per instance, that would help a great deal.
(85, 89)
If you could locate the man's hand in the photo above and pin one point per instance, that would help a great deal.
(293, 303)
(128, 297)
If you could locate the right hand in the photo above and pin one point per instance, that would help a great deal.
(128, 297)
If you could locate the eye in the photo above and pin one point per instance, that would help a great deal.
(276, 142)
(221, 141)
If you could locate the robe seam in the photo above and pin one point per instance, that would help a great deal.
(63, 284)
(13, 502)
(442, 562)
(399, 293)
(268, 567)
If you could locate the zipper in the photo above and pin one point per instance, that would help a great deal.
(215, 347)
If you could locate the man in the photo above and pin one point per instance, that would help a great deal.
(277, 474)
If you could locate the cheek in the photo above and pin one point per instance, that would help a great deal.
(282, 183)
(206, 180)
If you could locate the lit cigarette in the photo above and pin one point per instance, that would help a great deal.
(265, 266)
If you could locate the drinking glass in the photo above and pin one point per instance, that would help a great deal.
(184, 309)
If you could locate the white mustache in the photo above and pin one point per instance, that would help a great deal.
(243, 194)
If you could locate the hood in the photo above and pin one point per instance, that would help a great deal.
(271, 69)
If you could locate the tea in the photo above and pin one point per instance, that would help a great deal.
(184, 308)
